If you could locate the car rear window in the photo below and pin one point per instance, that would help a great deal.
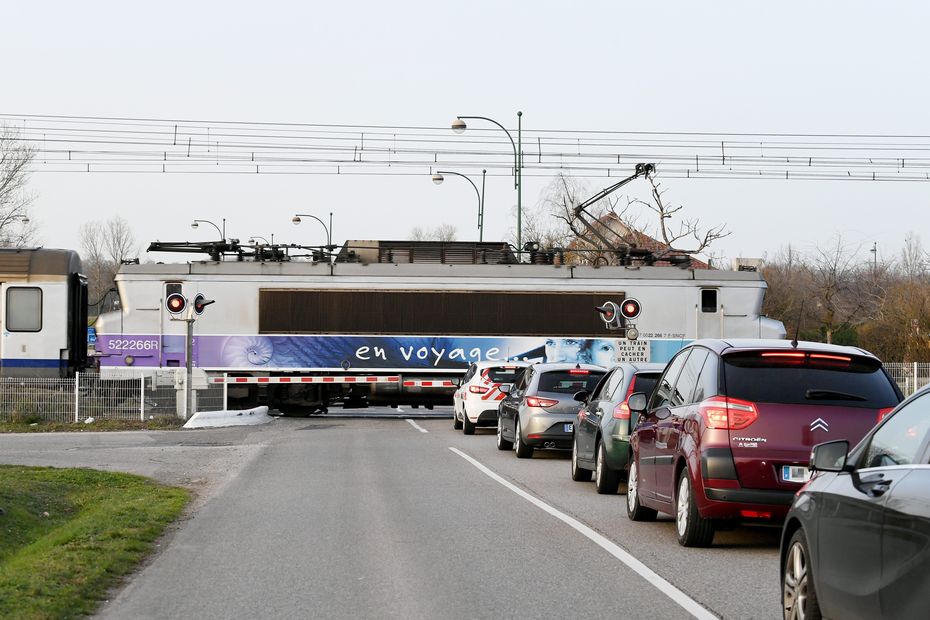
(569, 381)
(808, 379)
(644, 382)
(504, 374)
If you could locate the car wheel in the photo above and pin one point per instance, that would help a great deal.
(523, 451)
(693, 530)
(799, 598)
(502, 444)
(607, 480)
(579, 474)
(456, 423)
(634, 510)
(467, 427)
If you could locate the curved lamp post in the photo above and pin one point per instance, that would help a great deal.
(196, 224)
(438, 179)
(328, 229)
(254, 238)
(459, 126)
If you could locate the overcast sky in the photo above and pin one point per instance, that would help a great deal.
(783, 67)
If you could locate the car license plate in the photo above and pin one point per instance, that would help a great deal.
(795, 473)
(569, 428)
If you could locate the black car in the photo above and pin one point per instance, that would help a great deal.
(856, 542)
(602, 431)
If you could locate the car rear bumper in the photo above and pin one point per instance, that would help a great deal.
(748, 504)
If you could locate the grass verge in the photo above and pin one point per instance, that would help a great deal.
(39, 426)
(68, 535)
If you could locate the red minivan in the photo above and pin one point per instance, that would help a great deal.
(728, 430)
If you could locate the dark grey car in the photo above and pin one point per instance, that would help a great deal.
(539, 410)
(602, 429)
(856, 542)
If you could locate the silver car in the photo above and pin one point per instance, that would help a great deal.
(539, 410)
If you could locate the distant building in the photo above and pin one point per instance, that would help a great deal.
(640, 247)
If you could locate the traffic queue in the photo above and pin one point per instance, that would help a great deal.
(809, 436)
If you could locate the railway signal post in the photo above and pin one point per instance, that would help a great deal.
(176, 304)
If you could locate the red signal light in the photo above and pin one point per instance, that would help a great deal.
(630, 308)
(175, 303)
(201, 302)
(579, 371)
(477, 389)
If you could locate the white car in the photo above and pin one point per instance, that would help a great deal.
(478, 396)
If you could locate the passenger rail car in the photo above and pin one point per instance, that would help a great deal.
(43, 310)
(308, 334)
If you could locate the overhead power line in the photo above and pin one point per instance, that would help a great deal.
(190, 146)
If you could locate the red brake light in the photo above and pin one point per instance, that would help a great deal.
(622, 411)
(579, 371)
(535, 401)
(728, 413)
(477, 389)
(883, 413)
(833, 358)
(755, 514)
(784, 354)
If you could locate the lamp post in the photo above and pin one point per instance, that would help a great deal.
(253, 238)
(328, 229)
(438, 179)
(196, 224)
(459, 126)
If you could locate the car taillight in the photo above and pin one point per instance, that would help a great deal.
(579, 371)
(755, 514)
(728, 413)
(535, 401)
(882, 413)
(477, 389)
(622, 411)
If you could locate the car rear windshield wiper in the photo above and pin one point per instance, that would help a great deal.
(831, 395)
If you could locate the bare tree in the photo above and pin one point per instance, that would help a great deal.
(104, 247)
(616, 223)
(443, 232)
(16, 155)
(687, 233)
(913, 258)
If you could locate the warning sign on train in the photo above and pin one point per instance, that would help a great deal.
(632, 351)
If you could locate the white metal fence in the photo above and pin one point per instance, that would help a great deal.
(909, 377)
(88, 396)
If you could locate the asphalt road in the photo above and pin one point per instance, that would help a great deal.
(335, 517)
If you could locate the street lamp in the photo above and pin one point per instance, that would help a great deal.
(438, 179)
(459, 126)
(329, 229)
(196, 224)
(254, 238)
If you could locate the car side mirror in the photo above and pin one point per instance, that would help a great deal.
(830, 456)
(506, 388)
(637, 402)
(581, 395)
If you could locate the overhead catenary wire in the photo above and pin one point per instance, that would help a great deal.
(116, 144)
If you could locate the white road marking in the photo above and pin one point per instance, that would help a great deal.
(416, 426)
(683, 600)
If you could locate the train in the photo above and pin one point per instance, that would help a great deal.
(378, 322)
(43, 311)
(398, 323)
